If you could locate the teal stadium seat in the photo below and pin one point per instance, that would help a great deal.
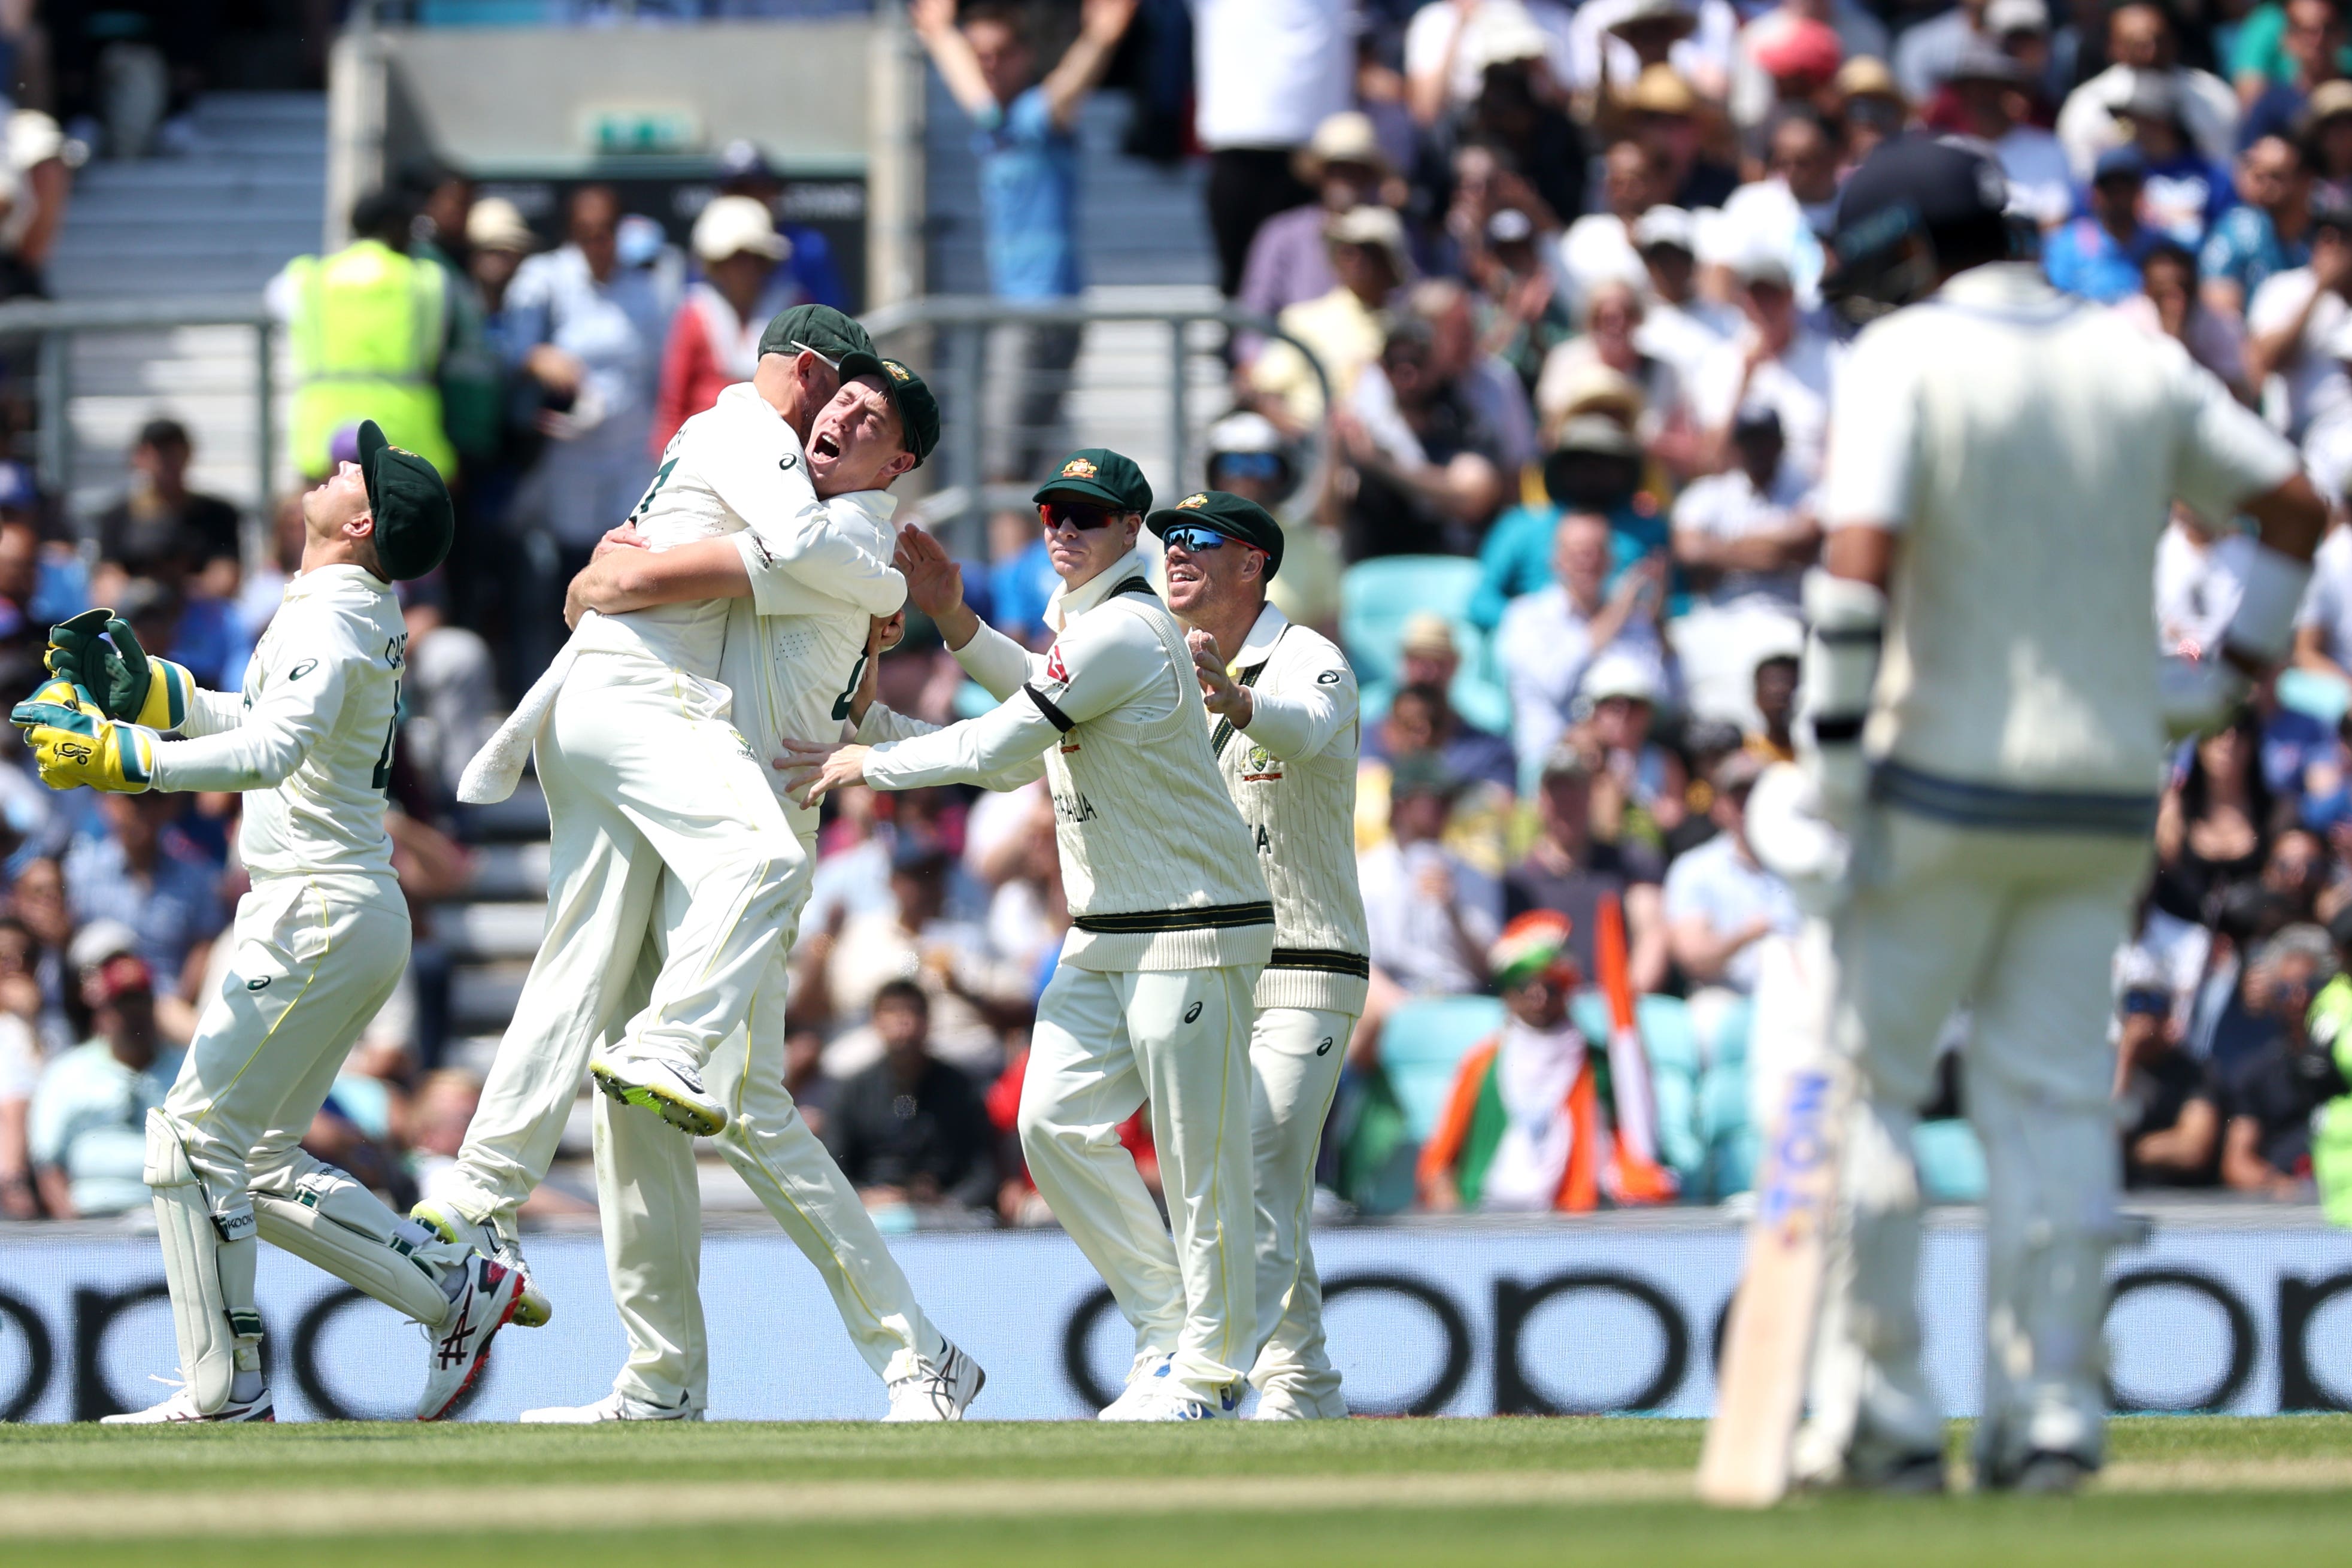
(1422, 1043)
(1378, 597)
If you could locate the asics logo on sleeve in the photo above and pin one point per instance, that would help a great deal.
(1328, 678)
(302, 669)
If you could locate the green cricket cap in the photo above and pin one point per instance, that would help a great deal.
(1223, 512)
(1098, 474)
(817, 327)
(919, 411)
(415, 522)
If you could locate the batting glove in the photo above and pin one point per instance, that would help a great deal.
(97, 652)
(75, 743)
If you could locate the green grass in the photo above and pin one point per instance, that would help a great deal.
(632, 1465)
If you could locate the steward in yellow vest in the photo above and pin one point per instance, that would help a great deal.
(368, 325)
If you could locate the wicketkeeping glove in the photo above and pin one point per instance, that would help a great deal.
(74, 742)
(119, 675)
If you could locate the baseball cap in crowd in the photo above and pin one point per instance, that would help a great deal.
(96, 942)
(1618, 674)
(496, 224)
(735, 226)
(1866, 76)
(1593, 388)
(1430, 634)
(1505, 35)
(819, 327)
(2125, 162)
(919, 411)
(1761, 263)
(1098, 474)
(1664, 227)
(1795, 48)
(415, 522)
(1661, 89)
(1369, 224)
(2328, 100)
(1222, 512)
(124, 975)
(1346, 136)
(742, 159)
(2004, 18)
(2153, 96)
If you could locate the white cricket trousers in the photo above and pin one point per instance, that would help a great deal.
(2023, 927)
(316, 958)
(650, 1201)
(1296, 1054)
(643, 774)
(1103, 1044)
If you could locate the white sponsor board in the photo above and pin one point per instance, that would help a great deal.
(1460, 1322)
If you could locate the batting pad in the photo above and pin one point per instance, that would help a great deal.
(326, 1219)
(208, 1263)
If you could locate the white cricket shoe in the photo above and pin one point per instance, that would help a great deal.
(615, 1407)
(181, 1406)
(1142, 1383)
(669, 1091)
(532, 1309)
(935, 1390)
(1279, 1404)
(1175, 1402)
(461, 1345)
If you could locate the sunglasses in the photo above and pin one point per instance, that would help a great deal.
(1249, 464)
(1079, 515)
(1193, 540)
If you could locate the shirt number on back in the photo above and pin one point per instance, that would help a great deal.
(661, 477)
(841, 704)
(383, 761)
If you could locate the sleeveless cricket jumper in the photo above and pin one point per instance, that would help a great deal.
(645, 772)
(1171, 922)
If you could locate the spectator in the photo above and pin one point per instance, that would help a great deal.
(2267, 1096)
(1289, 262)
(1679, 326)
(808, 274)
(590, 331)
(2143, 48)
(1670, 119)
(160, 527)
(974, 994)
(2326, 143)
(1929, 51)
(2169, 303)
(1020, 577)
(2266, 233)
(1720, 903)
(714, 338)
(1781, 363)
(1546, 1144)
(2171, 1130)
(1594, 467)
(1788, 55)
(1774, 692)
(1567, 871)
(2313, 42)
(1420, 469)
(1645, 785)
(1992, 87)
(1246, 456)
(1427, 661)
(1658, 413)
(1516, 112)
(1745, 535)
(2296, 328)
(1343, 328)
(1598, 247)
(1774, 224)
(1023, 136)
(2212, 826)
(1549, 638)
(910, 1130)
(1872, 108)
(146, 873)
(43, 160)
(1620, 41)
(368, 326)
(1432, 915)
(89, 1136)
(1448, 44)
(2186, 190)
(1268, 72)
(2099, 255)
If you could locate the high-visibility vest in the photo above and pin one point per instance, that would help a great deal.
(366, 330)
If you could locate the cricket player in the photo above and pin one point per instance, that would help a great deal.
(1284, 706)
(1981, 751)
(644, 773)
(1170, 921)
(787, 673)
(319, 941)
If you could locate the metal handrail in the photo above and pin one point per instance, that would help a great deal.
(978, 312)
(55, 323)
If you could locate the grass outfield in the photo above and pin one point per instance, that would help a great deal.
(2178, 1490)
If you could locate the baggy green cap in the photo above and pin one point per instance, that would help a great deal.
(818, 327)
(1098, 474)
(919, 411)
(1221, 511)
(415, 523)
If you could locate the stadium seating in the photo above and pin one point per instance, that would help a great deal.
(1422, 1043)
(1378, 597)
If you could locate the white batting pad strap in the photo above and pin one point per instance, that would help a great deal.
(202, 1310)
(2270, 591)
(326, 1219)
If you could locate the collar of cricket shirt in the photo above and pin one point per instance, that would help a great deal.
(1264, 633)
(333, 575)
(1069, 601)
(2012, 290)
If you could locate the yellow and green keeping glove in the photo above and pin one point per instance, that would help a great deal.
(75, 743)
(97, 652)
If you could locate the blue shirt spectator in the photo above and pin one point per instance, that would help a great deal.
(148, 874)
(1028, 199)
(1018, 587)
(1516, 555)
(2244, 248)
(2098, 255)
(87, 1130)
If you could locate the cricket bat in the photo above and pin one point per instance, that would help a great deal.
(1767, 1343)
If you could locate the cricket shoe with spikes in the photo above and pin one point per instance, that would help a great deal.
(932, 1388)
(461, 1345)
(532, 1309)
(181, 1406)
(670, 1091)
(615, 1407)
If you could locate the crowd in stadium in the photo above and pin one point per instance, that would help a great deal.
(1561, 270)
